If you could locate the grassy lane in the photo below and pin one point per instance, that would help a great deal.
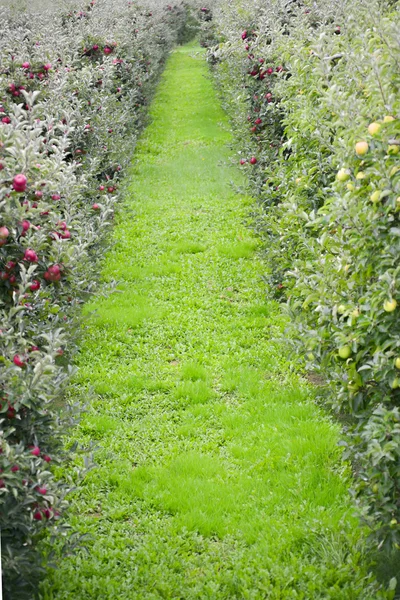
(218, 477)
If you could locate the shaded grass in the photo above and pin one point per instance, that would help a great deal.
(218, 476)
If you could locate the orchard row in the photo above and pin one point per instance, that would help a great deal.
(74, 87)
(313, 95)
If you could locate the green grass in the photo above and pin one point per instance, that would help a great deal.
(218, 477)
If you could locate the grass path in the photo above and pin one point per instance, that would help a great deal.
(218, 476)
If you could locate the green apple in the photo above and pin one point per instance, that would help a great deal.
(374, 128)
(375, 196)
(390, 305)
(343, 175)
(344, 352)
(361, 148)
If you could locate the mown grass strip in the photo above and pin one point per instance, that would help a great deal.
(218, 476)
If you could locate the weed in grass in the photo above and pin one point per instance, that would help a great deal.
(194, 372)
(194, 392)
(98, 425)
(238, 249)
(188, 247)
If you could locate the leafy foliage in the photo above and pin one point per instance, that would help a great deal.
(319, 83)
(72, 101)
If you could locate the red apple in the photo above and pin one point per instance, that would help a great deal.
(35, 285)
(18, 362)
(31, 256)
(19, 183)
(53, 273)
(4, 233)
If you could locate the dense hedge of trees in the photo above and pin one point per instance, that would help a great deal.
(313, 91)
(75, 82)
